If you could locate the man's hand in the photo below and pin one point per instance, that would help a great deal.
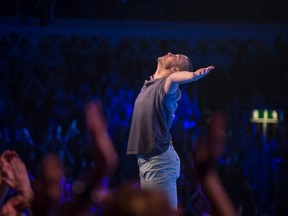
(202, 72)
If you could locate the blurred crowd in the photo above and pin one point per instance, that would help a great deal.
(50, 193)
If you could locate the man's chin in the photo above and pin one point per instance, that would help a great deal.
(160, 58)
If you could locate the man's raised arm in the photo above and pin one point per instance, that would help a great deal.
(181, 77)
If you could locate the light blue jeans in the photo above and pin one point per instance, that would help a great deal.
(160, 172)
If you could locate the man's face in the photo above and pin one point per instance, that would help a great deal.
(174, 60)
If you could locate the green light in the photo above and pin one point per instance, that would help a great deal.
(265, 116)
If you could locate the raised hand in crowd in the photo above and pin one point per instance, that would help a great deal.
(48, 187)
(104, 156)
(13, 207)
(14, 175)
(206, 153)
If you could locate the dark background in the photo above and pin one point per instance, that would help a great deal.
(158, 10)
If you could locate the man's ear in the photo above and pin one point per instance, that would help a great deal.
(175, 69)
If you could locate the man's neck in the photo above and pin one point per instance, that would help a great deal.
(161, 73)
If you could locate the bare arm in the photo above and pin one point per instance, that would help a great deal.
(206, 153)
(105, 154)
(215, 191)
(181, 77)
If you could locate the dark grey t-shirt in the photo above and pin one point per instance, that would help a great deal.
(152, 118)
